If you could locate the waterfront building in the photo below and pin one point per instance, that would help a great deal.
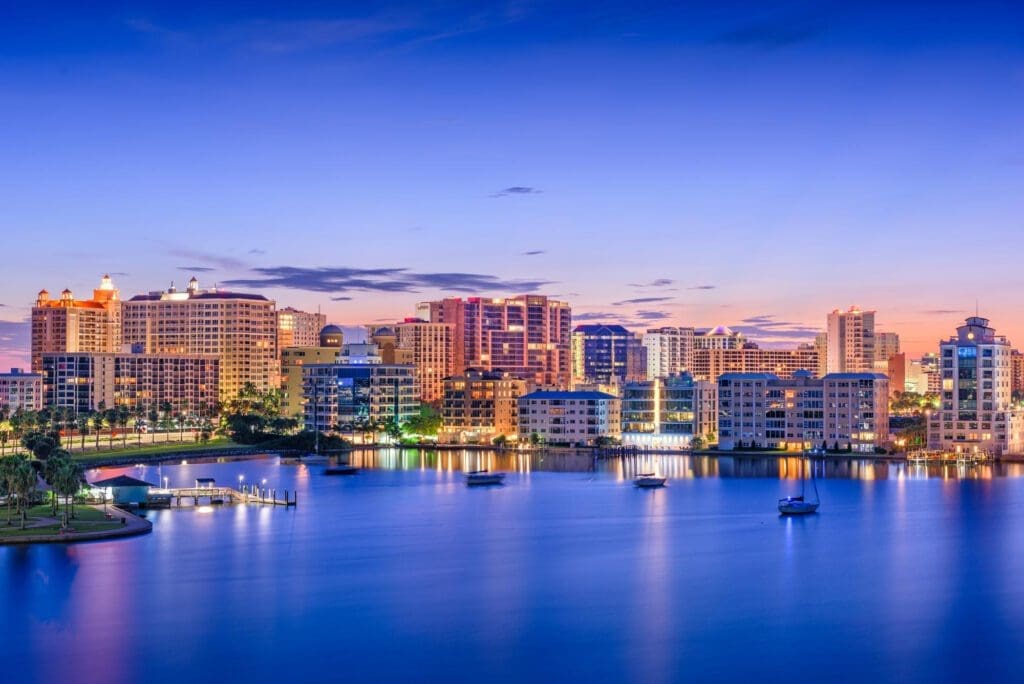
(239, 329)
(527, 335)
(386, 339)
(21, 391)
(607, 354)
(887, 345)
(328, 350)
(669, 350)
(851, 341)
(561, 417)
(844, 410)
(76, 325)
(479, 406)
(821, 346)
(976, 413)
(345, 395)
(719, 337)
(88, 381)
(298, 328)
(429, 347)
(708, 364)
(667, 413)
(1016, 374)
(360, 354)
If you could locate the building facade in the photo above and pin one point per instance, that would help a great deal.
(341, 396)
(528, 335)
(887, 345)
(479, 406)
(976, 413)
(429, 347)
(327, 350)
(667, 413)
(848, 411)
(851, 341)
(719, 337)
(560, 417)
(298, 328)
(669, 350)
(73, 325)
(21, 391)
(239, 329)
(708, 364)
(89, 381)
(607, 354)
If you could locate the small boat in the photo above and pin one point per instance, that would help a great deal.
(478, 478)
(798, 505)
(649, 481)
(341, 469)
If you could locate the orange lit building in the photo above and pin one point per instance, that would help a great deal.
(67, 324)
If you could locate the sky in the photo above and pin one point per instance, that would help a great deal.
(752, 164)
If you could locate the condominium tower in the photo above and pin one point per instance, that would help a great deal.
(851, 341)
(669, 350)
(67, 324)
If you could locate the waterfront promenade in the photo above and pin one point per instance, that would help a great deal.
(94, 522)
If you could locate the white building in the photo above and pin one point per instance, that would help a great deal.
(21, 390)
(569, 417)
(669, 350)
(976, 413)
(667, 413)
(851, 341)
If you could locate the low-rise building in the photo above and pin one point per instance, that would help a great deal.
(21, 390)
(667, 413)
(842, 410)
(328, 350)
(558, 417)
(479, 406)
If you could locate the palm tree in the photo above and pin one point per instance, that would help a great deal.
(24, 484)
(82, 423)
(67, 483)
(8, 470)
(97, 426)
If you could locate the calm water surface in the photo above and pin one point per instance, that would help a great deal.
(567, 573)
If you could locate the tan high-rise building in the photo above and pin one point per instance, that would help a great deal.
(239, 329)
(298, 328)
(294, 359)
(480, 405)
(76, 325)
(431, 351)
(851, 341)
(708, 364)
(529, 336)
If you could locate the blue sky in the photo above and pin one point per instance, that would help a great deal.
(747, 163)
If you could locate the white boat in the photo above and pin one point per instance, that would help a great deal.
(799, 505)
(649, 480)
(477, 478)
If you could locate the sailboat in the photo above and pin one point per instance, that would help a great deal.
(799, 505)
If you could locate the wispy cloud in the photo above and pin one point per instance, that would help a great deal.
(341, 299)
(651, 315)
(768, 329)
(533, 252)
(15, 338)
(595, 316)
(657, 282)
(516, 190)
(343, 279)
(702, 287)
(219, 260)
(257, 251)
(942, 312)
(196, 269)
(642, 300)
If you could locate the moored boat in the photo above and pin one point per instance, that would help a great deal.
(341, 469)
(477, 478)
(649, 480)
(799, 505)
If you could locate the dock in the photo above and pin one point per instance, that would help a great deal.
(948, 457)
(222, 495)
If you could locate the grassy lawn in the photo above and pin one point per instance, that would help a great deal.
(87, 519)
(156, 449)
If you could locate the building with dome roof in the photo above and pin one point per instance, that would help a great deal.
(327, 349)
(67, 324)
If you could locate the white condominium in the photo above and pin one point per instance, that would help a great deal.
(669, 351)
(851, 341)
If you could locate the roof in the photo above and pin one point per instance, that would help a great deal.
(720, 330)
(856, 376)
(121, 481)
(552, 394)
(205, 479)
(156, 297)
(594, 328)
(748, 376)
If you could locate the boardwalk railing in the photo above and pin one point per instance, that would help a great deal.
(247, 494)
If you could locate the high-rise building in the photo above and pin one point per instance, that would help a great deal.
(897, 371)
(430, 349)
(607, 354)
(844, 410)
(298, 328)
(669, 350)
(21, 391)
(386, 339)
(479, 406)
(571, 418)
(821, 346)
(887, 345)
(1016, 374)
(327, 350)
(76, 325)
(528, 335)
(719, 337)
(88, 381)
(708, 364)
(344, 395)
(976, 413)
(239, 329)
(667, 413)
(851, 341)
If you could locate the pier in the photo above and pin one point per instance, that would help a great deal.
(221, 495)
(951, 457)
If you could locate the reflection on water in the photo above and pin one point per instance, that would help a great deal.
(676, 466)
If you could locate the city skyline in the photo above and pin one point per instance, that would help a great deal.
(728, 160)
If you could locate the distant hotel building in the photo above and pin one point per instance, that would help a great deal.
(607, 354)
(75, 325)
(669, 350)
(479, 406)
(239, 329)
(709, 364)
(21, 391)
(845, 410)
(667, 413)
(976, 413)
(293, 359)
(298, 328)
(89, 381)
(851, 341)
(559, 417)
(528, 335)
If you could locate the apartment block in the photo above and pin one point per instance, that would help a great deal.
(21, 391)
(851, 341)
(430, 348)
(559, 417)
(709, 364)
(667, 413)
(608, 354)
(480, 405)
(669, 350)
(298, 328)
(342, 395)
(67, 324)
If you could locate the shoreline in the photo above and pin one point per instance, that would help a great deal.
(135, 526)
